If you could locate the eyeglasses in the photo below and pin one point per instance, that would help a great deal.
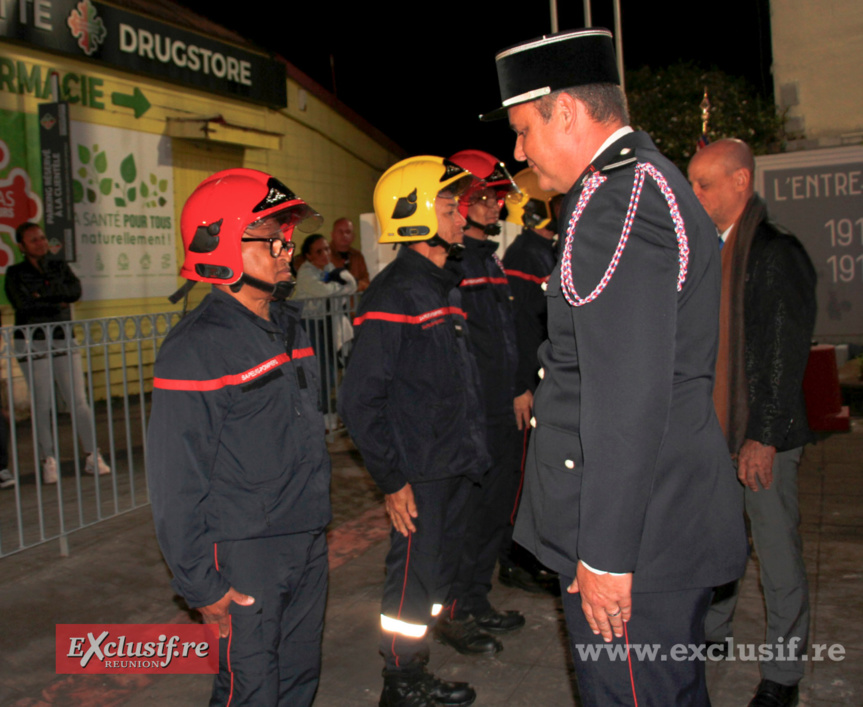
(278, 246)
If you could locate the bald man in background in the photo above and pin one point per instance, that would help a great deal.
(766, 318)
(343, 256)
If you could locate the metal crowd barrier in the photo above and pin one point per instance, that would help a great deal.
(328, 322)
(111, 361)
(108, 364)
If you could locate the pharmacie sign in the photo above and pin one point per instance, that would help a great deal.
(93, 30)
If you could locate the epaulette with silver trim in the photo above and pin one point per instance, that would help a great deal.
(619, 164)
(627, 157)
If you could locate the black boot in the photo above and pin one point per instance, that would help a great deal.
(539, 582)
(495, 621)
(449, 694)
(420, 688)
(465, 636)
(405, 689)
(774, 694)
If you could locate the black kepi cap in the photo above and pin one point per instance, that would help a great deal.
(535, 68)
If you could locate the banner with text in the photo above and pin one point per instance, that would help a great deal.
(122, 186)
(20, 184)
(818, 196)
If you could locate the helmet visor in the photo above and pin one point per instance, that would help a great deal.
(502, 182)
(284, 221)
(460, 186)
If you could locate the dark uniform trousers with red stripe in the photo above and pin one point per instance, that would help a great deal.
(665, 664)
(239, 477)
(487, 299)
(410, 400)
(273, 656)
(421, 567)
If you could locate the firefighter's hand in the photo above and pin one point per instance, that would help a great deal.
(523, 406)
(606, 600)
(401, 507)
(219, 612)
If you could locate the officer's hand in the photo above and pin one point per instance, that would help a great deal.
(401, 507)
(218, 613)
(755, 463)
(606, 600)
(523, 407)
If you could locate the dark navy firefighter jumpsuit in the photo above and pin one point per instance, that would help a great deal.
(410, 401)
(239, 482)
(488, 302)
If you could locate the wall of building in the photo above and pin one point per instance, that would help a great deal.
(319, 153)
(818, 69)
(135, 163)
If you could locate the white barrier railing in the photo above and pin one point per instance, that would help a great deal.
(101, 371)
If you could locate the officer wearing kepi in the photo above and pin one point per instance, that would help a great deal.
(629, 492)
(411, 403)
(237, 464)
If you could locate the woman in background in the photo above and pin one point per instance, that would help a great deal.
(324, 320)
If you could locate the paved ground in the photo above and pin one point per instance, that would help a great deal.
(115, 574)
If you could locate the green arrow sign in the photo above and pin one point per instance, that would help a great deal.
(137, 101)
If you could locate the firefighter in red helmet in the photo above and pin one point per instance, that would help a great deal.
(237, 464)
(469, 618)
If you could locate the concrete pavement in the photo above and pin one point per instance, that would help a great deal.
(115, 574)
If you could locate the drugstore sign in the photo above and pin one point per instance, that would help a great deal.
(92, 30)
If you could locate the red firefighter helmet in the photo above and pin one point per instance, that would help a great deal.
(489, 173)
(223, 207)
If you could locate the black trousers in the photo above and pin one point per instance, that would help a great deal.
(420, 569)
(273, 654)
(666, 637)
(490, 509)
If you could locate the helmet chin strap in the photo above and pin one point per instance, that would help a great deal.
(492, 229)
(453, 250)
(277, 290)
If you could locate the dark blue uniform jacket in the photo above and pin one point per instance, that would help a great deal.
(487, 300)
(409, 397)
(528, 263)
(235, 445)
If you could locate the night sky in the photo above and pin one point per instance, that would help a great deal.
(422, 76)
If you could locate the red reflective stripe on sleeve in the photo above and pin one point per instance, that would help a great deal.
(527, 276)
(224, 381)
(302, 353)
(407, 318)
(482, 281)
